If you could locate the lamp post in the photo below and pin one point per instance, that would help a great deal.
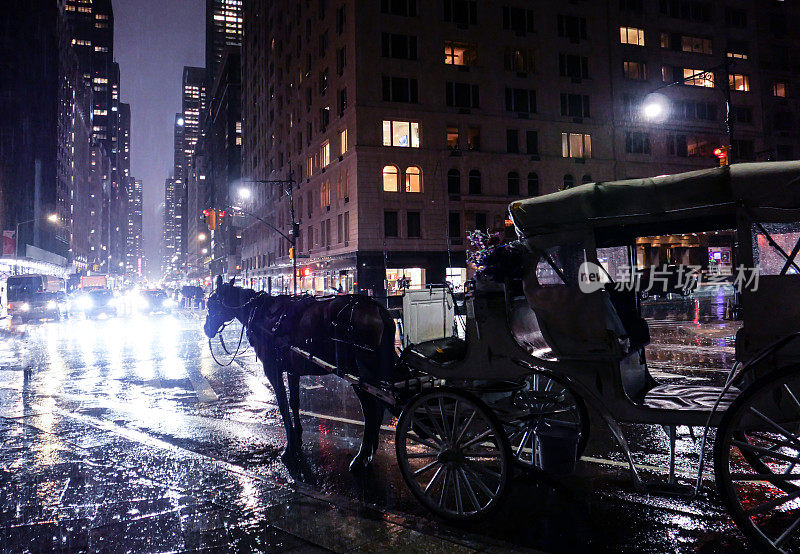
(287, 187)
(52, 218)
(654, 105)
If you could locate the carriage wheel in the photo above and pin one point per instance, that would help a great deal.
(546, 398)
(453, 454)
(757, 460)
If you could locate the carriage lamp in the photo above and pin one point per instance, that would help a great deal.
(201, 237)
(52, 218)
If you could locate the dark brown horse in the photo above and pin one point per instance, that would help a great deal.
(352, 332)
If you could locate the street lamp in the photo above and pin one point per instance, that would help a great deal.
(201, 237)
(655, 106)
(52, 218)
(287, 187)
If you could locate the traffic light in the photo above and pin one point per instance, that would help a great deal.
(722, 154)
(291, 253)
(213, 218)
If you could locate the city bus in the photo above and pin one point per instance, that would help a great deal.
(34, 296)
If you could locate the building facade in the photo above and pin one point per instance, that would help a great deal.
(406, 124)
(223, 32)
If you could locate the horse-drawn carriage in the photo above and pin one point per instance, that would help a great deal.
(544, 338)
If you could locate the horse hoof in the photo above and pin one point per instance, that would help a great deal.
(360, 462)
(290, 455)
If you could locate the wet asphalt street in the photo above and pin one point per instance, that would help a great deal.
(125, 435)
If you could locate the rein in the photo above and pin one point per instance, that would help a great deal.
(238, 350)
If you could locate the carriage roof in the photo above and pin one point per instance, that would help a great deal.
(770, 190)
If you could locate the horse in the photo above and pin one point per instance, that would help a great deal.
(352, 332)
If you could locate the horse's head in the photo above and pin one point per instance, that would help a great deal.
(221, 306)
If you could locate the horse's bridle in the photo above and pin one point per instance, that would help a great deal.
(222, 328)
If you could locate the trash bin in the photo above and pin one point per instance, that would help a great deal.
(557, 445)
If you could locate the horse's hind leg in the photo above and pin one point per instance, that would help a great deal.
(294, 405)
(373, 417)
(276, 380)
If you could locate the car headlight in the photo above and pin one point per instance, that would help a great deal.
(85, 303)
(51, 305)
(25, 307)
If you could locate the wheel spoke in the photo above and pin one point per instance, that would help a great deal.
(435, 423)
(427, 430)
(478, 481)
(765, 452)
(455, 419)
(791, 395)
(421, 441)
(444, 487)
(457, 488)
(788, 533)
(433, 479)
(414, 455)
(475, 439)
(768, 477)
(465, 427)
(777, 427)
(522, 444)
(774, 503)
(426, 467)
(470, 492)
(485, 470)
(445, 425)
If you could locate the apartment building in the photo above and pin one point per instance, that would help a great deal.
(406, 124)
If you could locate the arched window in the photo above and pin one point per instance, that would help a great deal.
(413, 179)
(454, 182)
(569, 181)
(533, 184)
(474, 181)
(391, 178)
(586, 179)
(513, 183)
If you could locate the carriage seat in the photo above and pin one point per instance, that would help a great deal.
(442, 351)
(688, 397)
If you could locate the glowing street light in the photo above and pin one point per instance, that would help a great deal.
(201, 237)
(655, 107)
(204, 251)
(245, 193)
(52, 218)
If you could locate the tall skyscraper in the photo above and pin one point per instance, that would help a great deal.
(223, 30)
(31, 139)
(134, 252)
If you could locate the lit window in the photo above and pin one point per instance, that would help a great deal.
(452, 138)
(343, 141)
(698, 78)
(739, 82)
(413, 179)
(631, 35)
(401, 133)
(634, 70)
(576, 145)
(459, 53)
(310, 166)
(696, 45)
(390, 178)
(325, 154)
(779, 89)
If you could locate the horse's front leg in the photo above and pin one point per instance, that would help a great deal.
(294, 405)
(275, 377)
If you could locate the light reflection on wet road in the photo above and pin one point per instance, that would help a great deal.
(124, 434)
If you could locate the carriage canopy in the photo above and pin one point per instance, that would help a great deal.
(769, 190)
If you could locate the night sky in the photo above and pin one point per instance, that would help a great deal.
(154, 39)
